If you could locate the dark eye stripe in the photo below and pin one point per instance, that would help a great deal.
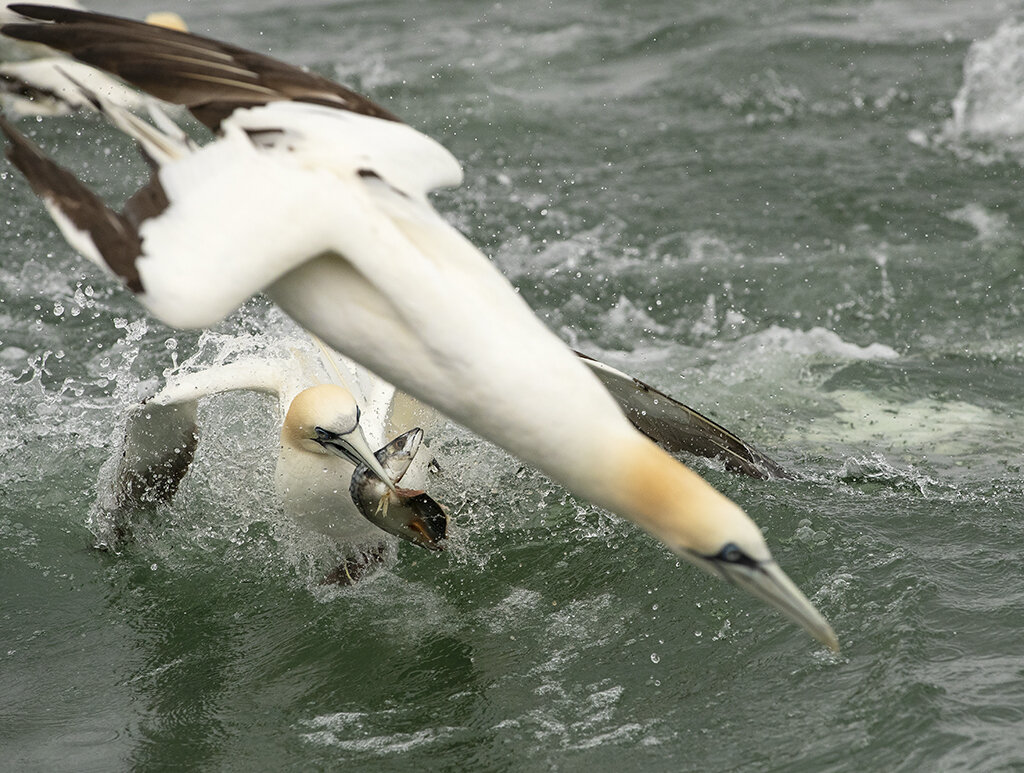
(732, 554)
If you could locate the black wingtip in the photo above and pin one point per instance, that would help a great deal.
(114, 237)
(681, 428)
(212, 79)
(23, 153)
(46, 12)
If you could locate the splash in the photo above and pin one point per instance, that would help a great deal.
(987, 125)
(990, 105)
(816, 342)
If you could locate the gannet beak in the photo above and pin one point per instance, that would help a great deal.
(769, 583)
(353, 446)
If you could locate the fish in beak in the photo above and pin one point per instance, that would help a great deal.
(353, 446)
(407, 513)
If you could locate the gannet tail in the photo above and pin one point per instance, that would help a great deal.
(160, 144)
(677, 427)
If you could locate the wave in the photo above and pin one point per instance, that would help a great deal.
(987, 124)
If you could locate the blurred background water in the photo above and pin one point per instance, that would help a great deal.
(802, 218)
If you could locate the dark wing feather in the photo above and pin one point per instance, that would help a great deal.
(114, 236)
(159, 445)
(677, 427)
(212, 79)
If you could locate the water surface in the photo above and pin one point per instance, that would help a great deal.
(801, 218)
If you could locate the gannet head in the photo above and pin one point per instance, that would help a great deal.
(324, 419)
(168, 19)
(709, 530)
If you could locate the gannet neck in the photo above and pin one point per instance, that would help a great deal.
(677, 506)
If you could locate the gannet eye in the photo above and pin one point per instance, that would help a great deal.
(732, 554)
(328, 434)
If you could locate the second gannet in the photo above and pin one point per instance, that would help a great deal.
(331, 412)
(317, 196)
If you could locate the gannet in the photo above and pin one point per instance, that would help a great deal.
(317, 196)
(331, 413)
(33, 81)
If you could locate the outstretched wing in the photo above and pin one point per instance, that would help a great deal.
(159, 445)
(275, 210)
(161, 433)
(88, 224)
(678, 427)
(212, 79)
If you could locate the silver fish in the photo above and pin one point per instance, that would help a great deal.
(407, 513)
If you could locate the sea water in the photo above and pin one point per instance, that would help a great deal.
(803, 219)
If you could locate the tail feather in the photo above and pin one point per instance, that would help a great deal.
(677, 427)
(88, 224)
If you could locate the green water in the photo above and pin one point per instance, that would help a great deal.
(765, 208)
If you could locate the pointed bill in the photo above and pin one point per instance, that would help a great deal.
(770, 584)
(354, 447)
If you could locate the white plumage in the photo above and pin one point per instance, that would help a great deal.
(324, 207)
(314, 394)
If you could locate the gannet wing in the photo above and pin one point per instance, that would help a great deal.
(284, 132)
(278, 377)
(273, 210)
(677, 427)
(212, 79)
(50, 86)
(161, 433)
(158, 447)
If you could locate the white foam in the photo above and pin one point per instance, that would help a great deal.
(331, 729)
(990, 104)
(937, 427)
(990, 225)
(816, 342)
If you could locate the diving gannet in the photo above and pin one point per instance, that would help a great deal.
(318, 197)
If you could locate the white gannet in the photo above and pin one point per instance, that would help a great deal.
(318, 197)
(34, 81)
(332, 412)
